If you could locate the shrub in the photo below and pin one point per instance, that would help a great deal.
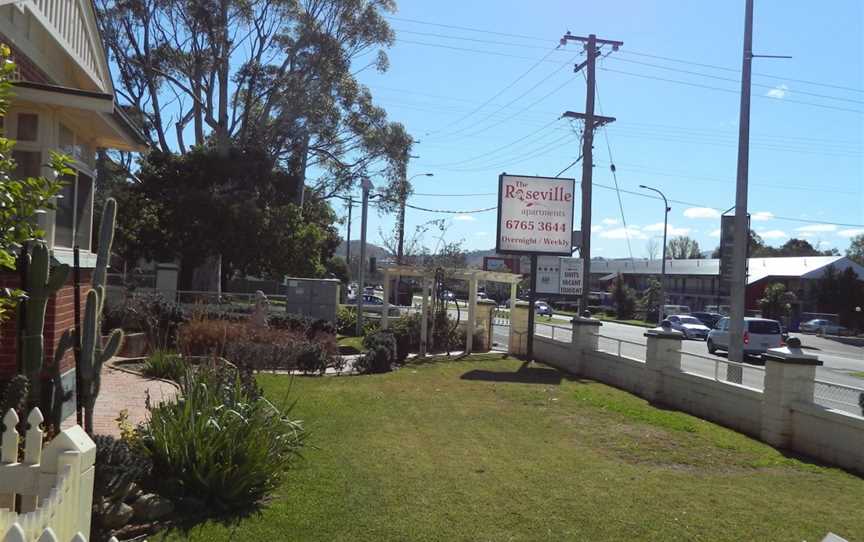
(406, 331)
(346, 320)
(209, 337)
(218, 443)
(380, 353)
(165, 364)
(158, 318)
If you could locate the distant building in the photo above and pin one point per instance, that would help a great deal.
(695, 283)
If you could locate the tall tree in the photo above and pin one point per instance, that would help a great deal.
(276, 74)
(683, 248)
(237, 205)
(776, 302)
(856, 249)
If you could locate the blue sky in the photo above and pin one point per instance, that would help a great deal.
(680, 137)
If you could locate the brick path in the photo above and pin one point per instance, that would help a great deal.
(121, 390)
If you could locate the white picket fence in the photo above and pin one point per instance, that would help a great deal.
(52, 487)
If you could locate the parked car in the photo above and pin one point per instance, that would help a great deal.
(760, 335)
(710, 319)
(824, 327)
(542, 308)
(691, 327)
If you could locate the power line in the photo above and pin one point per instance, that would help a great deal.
(631, 52)
(734, 70)
(473, 40)
(516, 99)
(466, 28)
(456, 195)
(497, 94)
(686, 83)
(498, 149)
(465, 49)
(732, 80)
(614, 173)
(448, 211)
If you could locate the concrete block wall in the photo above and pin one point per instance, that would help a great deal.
(784, 415)
(830, 435)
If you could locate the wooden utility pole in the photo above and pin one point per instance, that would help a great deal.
(348, 240)
(592, 122)
(364, 212)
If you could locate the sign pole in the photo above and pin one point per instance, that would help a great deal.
(532, 299)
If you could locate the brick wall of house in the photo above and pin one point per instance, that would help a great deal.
(26, 69)
(59, 316)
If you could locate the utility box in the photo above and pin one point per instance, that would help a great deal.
(315, 298)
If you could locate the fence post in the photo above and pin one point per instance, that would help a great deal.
(790, 376)
(56, 455)
(518, 328)
(584, 338)
(662, 352)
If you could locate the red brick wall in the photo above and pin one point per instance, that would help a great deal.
(59, 316)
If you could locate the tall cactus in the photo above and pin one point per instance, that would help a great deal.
(42, 283)
(93, 352)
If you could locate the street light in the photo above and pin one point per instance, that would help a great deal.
(402, 197)
(663, 264)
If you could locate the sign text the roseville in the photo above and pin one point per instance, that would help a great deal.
(535, 215)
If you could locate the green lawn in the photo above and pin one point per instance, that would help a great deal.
(858, 374)
(480, 450)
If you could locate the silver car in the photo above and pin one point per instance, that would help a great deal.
(690, 326)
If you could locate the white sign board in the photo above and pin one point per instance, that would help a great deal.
(535, 215)
(571, 276)
(548, 274)
(559, 275)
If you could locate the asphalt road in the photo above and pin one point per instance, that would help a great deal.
(839, 359)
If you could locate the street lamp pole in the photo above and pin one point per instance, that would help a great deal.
(666, 210)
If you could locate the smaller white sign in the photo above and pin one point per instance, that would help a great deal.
(570, 270)
(548, 276)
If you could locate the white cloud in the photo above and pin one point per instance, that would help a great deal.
(610, 221)
(817, 228)
(779, 92)
(670, 230)
(701, 212)
(773, 234)
(465, 218)
(621, 233)
(481, 234)
(596, 228)
(715, 233)
(762, 216)
(851, 232)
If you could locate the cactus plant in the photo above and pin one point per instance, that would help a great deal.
(42, 283)
(93, 352)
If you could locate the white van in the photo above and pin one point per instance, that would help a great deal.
(760, 335)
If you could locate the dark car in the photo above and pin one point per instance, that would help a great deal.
(710, 319)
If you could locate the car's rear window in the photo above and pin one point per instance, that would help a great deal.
(761, 327)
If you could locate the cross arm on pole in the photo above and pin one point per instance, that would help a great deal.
(570, 37)
(599, 120)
